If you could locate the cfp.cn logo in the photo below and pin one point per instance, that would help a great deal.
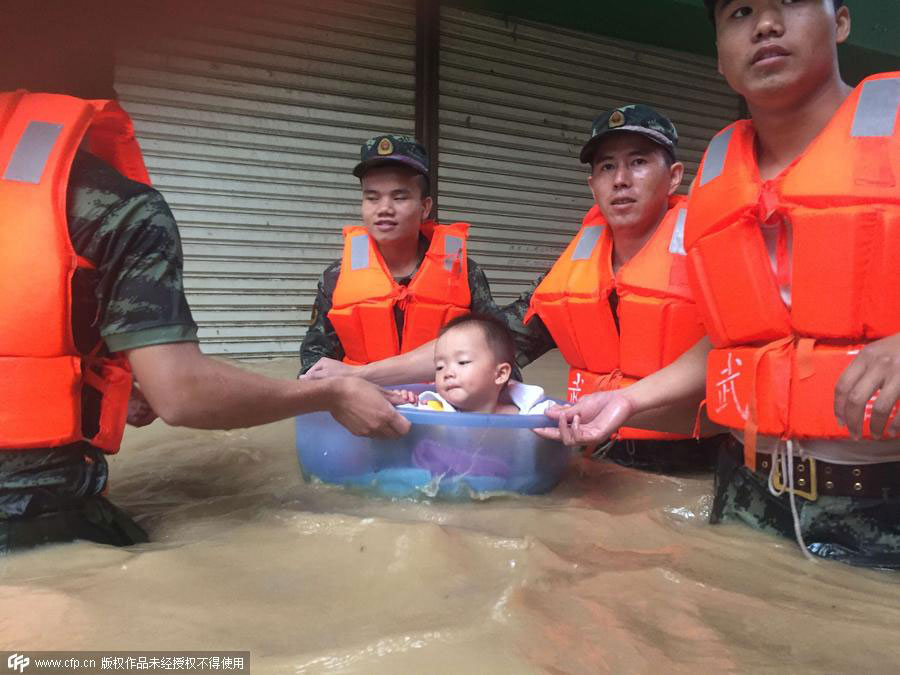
(17, 662)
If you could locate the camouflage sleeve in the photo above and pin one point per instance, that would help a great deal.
(482, 301)
(128, 231)
(532, 339)
(321, 340)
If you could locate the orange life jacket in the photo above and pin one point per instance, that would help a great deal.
(362, 311)
(774, 368)
(42, 374)
(657, 318)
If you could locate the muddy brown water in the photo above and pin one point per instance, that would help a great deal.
(614, 571)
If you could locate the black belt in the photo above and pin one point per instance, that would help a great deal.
(814, 478)
(667, 456)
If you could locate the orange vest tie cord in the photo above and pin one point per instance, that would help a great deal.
(362, 311)
(42, 373)
(774, 368)
(657, 319)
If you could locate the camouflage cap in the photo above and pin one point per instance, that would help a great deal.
(390, 149)
(636, 118)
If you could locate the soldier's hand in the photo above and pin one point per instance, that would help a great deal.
(365, 409)
(592, 420)
(326, 367)
(140, 414)
(873, 374)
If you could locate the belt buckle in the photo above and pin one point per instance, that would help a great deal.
(812, 494)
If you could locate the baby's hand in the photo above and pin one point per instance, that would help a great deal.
(401, 396)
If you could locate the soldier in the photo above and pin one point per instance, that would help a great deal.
(401, 276)
(617, 302)
(792, 238)
(91, 279)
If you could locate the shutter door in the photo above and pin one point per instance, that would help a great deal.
(250, 116)
(517, 101)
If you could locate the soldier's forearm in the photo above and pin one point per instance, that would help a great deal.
(187, 388)
(679, 418)
(409, 368)
(681, 383)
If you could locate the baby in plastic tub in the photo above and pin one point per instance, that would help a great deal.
(473, 360)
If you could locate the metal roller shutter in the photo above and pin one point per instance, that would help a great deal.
(517, 100)
(250, 116)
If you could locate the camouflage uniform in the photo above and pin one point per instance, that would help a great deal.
(854, 530)
(321, 340)
(134, 298)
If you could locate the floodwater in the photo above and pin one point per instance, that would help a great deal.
(614, 571)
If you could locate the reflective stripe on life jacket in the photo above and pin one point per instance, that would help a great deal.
(43, 374)
(775, 368)
(657, 320)
(362, 311)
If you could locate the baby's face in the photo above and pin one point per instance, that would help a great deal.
(466, 370)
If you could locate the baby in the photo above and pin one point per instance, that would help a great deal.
(473, 361)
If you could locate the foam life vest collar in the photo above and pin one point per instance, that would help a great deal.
(656, 318)
(836, 209)
(366, 294)
(43, 374)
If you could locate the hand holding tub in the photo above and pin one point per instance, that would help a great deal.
(365, 409)
(667, 400)
(593, 419)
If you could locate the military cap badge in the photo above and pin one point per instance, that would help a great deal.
(385, 147)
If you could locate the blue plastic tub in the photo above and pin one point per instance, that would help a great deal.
(446, 455)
